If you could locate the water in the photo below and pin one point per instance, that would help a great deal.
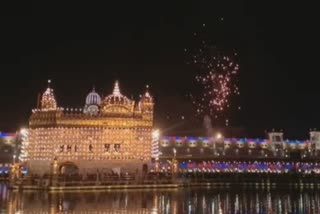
(172, 201)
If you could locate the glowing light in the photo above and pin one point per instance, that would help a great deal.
(116, 89)
(219, 136)
(156, 134)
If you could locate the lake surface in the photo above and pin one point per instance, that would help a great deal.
(173, 201)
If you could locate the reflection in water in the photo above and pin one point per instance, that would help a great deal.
(160, 201)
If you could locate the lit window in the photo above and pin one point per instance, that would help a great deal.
(69, 148)
(117, 147)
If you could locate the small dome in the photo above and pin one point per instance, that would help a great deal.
(93, 98)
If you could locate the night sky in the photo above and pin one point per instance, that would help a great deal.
(81, 45)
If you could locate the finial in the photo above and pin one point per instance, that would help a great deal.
(48, 101)
(116, 90)
(147, 94)
(93, 88)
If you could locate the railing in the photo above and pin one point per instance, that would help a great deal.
(184, 180)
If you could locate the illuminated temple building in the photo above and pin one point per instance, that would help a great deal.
(113, 133)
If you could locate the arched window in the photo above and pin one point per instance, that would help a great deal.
(117, 147)
(106, 147)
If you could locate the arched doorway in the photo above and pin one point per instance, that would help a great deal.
(68, 168)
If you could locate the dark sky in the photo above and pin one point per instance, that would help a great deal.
(79, 45)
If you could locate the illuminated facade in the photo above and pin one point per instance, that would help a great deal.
(206, 148)
(234, 155)
(111, 133)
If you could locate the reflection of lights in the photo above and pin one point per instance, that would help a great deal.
(155, 144)
(219, 136)
(154, 211)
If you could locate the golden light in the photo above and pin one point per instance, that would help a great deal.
(218, 136)
(23, 131)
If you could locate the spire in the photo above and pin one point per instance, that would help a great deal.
(48, 101)
(116, 89)
(147, 97)
(147, 91)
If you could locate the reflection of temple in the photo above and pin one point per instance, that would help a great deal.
(111, 133)
(143, 202)
(162, 201)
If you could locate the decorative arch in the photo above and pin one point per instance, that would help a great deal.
(117, 109)
(68, 168)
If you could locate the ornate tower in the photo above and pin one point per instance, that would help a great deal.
(315, 142)
(48, 101)
(147, 104)
(277, 143)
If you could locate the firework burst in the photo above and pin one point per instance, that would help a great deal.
(217, 79)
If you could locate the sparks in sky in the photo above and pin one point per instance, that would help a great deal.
(217, 79)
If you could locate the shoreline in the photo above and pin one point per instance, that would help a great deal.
(177, 185)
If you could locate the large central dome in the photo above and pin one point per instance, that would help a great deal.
(116, 102)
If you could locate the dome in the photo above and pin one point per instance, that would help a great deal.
(93, 98)
(93, 102)
(117, 99)
(48, 101)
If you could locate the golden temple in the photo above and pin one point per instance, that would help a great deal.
(113, 133)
